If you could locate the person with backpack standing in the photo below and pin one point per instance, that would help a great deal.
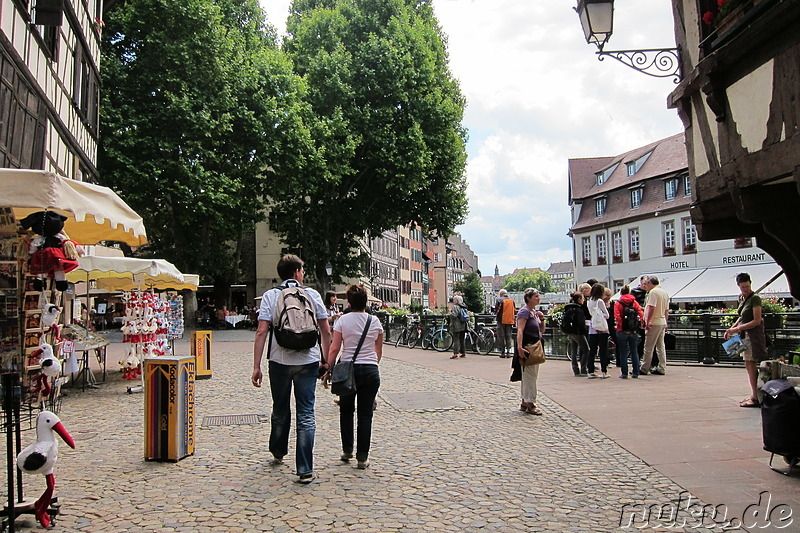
(573, 323)
(458, 326)
(505, 311)
(294, 321)
(629, 318)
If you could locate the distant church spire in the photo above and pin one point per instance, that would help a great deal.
(496, 271)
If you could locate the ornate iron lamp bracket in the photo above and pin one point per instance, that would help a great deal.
(656, 62)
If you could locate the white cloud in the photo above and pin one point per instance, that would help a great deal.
(537, 96)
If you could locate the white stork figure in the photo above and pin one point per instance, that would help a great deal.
(41, 456)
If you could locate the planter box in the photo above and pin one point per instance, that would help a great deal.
(773, 321)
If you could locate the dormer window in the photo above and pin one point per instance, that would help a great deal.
(670, 188)
(687, 186)
(634, 166)
(636, 198)
(602, 177)
(600, 207)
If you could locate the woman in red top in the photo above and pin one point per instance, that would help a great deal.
(627, 326)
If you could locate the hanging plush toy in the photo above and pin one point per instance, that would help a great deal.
(52, 253)
(51, 367)
(49, 319)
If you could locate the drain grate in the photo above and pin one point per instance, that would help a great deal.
(232, 420)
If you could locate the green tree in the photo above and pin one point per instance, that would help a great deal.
(197, 102)
(524, 279)
(388, 130)
(472, 290)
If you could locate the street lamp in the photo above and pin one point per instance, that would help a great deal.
(329, 269)
(597, 21)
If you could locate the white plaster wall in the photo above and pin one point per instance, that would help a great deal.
(750, 100)
(709, 253)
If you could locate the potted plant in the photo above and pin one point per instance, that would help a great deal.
(689, 249)
(587, 262)
(601, 260)
(669, 251)
(633, 256)
(617, 259)
(772, 313)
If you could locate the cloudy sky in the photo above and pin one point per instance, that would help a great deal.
(537, 96)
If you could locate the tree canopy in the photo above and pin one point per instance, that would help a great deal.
(472, 290)
(523, 279)
(387, 127)
(197, 102)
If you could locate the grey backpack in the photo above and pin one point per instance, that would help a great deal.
(294, 322)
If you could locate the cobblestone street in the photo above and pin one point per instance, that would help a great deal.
(471, 465)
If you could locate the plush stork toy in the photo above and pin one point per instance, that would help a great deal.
(49, 319)
(51, 367)
(52, 253)
(41, 456)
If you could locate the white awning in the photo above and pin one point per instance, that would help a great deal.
(673, 281)
(128, 273)
(94, 213)
(719, 284)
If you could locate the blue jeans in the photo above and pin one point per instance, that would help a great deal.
(368, 380)
(628, 344)
(304, 379)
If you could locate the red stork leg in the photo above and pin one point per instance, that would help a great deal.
(43, 502)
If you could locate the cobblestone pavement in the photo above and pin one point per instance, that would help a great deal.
(478, 468)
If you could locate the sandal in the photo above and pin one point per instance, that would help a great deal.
(749, 402)
(463, 355)
(533, 410)
(454, 356)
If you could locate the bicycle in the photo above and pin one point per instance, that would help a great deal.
(480, 338)
(411, 334)
(438, 337)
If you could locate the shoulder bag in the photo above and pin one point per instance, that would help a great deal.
(343, 380)
(535, 354)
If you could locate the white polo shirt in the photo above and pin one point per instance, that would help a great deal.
(279, 354)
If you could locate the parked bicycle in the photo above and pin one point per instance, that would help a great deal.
(410, 335)
(480, 338)
(438, 337)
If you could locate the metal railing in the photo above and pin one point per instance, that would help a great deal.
(698, 337)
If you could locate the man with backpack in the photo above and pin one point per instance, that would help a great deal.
(506, 313)
(573, 323)
(294, 321)
(629, 320)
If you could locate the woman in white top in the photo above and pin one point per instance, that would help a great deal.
(598, 332)
(347, 331)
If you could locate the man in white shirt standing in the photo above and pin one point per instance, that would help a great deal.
(288, 368)
(656, 313)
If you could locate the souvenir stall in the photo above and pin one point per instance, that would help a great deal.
(45, 219)
(151, 321)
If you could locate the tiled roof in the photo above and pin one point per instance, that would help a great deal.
(668, 156)
(564, 267)
(668, 159)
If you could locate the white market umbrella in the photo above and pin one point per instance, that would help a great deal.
(94, 213)
(120, 272)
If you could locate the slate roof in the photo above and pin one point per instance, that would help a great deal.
(564, 267)
(667, 159)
